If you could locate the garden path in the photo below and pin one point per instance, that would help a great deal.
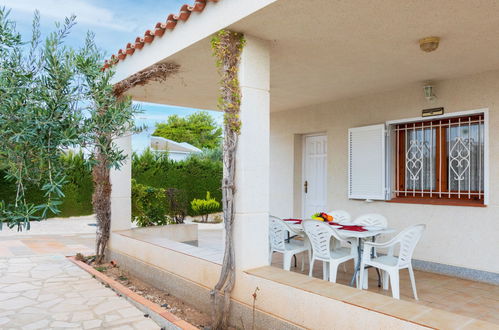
(50, 292)
(41, 289)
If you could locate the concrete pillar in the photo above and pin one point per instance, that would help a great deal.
(121, 194)
(252, 162)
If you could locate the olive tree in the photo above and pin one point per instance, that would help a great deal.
(110, 117)
(39, 117)
(54, 98)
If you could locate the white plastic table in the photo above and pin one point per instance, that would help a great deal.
(360, 236)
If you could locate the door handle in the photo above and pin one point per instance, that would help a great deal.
(305, 186)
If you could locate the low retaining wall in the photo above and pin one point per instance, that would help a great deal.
(198, 295)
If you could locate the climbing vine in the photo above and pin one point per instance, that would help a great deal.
(155, 73)
(227, 47)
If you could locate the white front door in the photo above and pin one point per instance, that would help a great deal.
(314, 175)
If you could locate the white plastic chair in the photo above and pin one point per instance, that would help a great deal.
(278, 230)
(293, 231)
(340, 216)
(372, 219)
(319, 234)
(390, 264)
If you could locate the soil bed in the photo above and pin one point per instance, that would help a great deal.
(171, 303)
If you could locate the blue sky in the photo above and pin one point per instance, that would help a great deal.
(115, 23)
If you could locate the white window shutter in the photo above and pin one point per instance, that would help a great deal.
(366, 162)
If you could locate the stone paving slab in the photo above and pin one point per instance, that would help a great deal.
(17, 246)
(50, 292)
(54, 226)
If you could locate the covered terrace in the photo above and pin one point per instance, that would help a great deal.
(310, 72)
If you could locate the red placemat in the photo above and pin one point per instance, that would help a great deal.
(296, 221)
(353, 228)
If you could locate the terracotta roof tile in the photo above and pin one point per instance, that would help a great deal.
(148, 36)
(158, 31)
(184, 13)
(198, 6)
(121, 54)
(139, 42)
(130, 48)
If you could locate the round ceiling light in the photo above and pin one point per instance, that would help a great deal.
(429, 44)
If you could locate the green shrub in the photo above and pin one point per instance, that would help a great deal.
(176, 204)
(149, 205)
(157, 206)
(204, 207)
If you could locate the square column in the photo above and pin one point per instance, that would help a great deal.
(121, 193)
(252, 161)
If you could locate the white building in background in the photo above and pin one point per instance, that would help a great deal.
(176, 151)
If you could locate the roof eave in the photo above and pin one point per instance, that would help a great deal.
(215, 16)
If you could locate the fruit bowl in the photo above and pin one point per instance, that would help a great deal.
(322, 216)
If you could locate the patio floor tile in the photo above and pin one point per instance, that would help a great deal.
(404, 309)
(464, 297)
(443, 320)
(369, 299)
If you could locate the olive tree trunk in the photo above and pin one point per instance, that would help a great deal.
(101, 200)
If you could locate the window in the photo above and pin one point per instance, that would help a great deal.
(440, 159)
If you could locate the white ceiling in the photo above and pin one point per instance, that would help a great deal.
(324, 50)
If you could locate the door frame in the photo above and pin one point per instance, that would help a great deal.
(303, 146)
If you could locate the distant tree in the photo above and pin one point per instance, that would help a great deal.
(198, 129)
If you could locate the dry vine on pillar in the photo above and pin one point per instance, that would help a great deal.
(227, 48)
(114, 119)
(157, 73)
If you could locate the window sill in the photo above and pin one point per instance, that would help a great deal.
(437, 201)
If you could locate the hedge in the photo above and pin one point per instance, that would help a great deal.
(194, 176)
(78, 190)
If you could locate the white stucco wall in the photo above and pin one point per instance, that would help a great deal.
(456, 235)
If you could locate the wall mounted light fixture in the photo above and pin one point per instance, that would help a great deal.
(429, 92)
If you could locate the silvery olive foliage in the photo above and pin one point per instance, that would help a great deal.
(54, 98)
(38, 115)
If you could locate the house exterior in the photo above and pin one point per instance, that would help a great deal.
(332, 102)
(176, 151)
